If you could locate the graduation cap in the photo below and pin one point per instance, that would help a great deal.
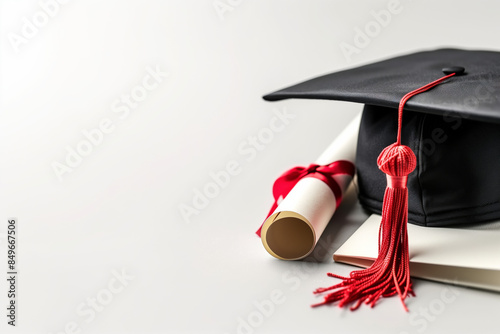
(441, 160)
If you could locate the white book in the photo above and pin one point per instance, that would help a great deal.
(465, 255)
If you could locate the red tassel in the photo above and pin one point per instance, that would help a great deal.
(390, 273)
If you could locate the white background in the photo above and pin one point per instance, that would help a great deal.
(118, 209)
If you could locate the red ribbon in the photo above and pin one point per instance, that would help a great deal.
(285, 183)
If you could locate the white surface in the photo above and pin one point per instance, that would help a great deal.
(119, 207)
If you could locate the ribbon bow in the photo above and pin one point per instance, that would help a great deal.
(286, 181)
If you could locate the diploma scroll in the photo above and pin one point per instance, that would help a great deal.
(292, 231)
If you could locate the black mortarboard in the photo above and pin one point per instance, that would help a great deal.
(444, 166)
(454, 130)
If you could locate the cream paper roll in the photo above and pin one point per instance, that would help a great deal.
(292, 231)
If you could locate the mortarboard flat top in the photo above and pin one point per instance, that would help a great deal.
(475, 95)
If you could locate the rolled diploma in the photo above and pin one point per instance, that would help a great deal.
(292, 231)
